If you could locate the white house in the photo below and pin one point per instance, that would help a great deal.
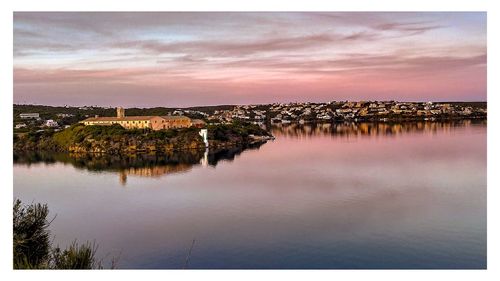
(51, 123)
(20, 125)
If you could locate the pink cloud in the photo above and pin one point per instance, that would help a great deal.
(210, 58)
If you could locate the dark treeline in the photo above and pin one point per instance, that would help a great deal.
(80, 113)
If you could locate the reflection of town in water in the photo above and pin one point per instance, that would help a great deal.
(354, 130)
(158, 165)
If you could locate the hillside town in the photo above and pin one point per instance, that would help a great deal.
(335, 111)
(348, 111)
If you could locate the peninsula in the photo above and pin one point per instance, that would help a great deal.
(110, 130)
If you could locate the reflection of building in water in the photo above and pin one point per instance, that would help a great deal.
(204, 160)
(154, 171)
(138, 164)
(123, 178)
(349, 130)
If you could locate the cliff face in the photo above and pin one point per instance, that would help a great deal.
(115, 139)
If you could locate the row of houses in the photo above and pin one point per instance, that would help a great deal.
(303, 112)
(34, 118)
(46, 123)
(278, 113)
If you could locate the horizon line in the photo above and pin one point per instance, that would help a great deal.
(236, 104)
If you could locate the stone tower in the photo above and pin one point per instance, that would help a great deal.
(120, 112)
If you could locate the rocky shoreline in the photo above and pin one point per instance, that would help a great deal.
(110, 148)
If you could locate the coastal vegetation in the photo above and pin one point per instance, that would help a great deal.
(32, 243)
(115, 139)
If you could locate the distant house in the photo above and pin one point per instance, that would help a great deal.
(51, 123)
(346, 110)
(64, 115)
(29, 115)
(20, 126)
(141, 122)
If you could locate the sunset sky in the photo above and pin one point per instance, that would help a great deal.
(188, 59)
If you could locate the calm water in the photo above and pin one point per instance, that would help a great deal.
(349, 196)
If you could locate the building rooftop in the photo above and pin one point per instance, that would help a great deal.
(172, 117)
(126, 118)
(135, 118)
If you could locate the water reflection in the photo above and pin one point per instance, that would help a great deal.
(154, 165)
(401, 196)
(354, 130)
(137, 165)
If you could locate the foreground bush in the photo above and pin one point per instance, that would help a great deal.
(31, 236)
(75, 257)
(33, 250)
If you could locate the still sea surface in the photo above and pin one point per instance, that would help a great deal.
(349, 196)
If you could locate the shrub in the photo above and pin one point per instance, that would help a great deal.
(32, 248)
(31, 236)
(75, 257)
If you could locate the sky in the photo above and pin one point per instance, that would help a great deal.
(181, 59)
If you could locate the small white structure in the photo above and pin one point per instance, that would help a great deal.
(204, 134)
(64, 115)
(51, 123)
(20, 125)
(29, 115)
